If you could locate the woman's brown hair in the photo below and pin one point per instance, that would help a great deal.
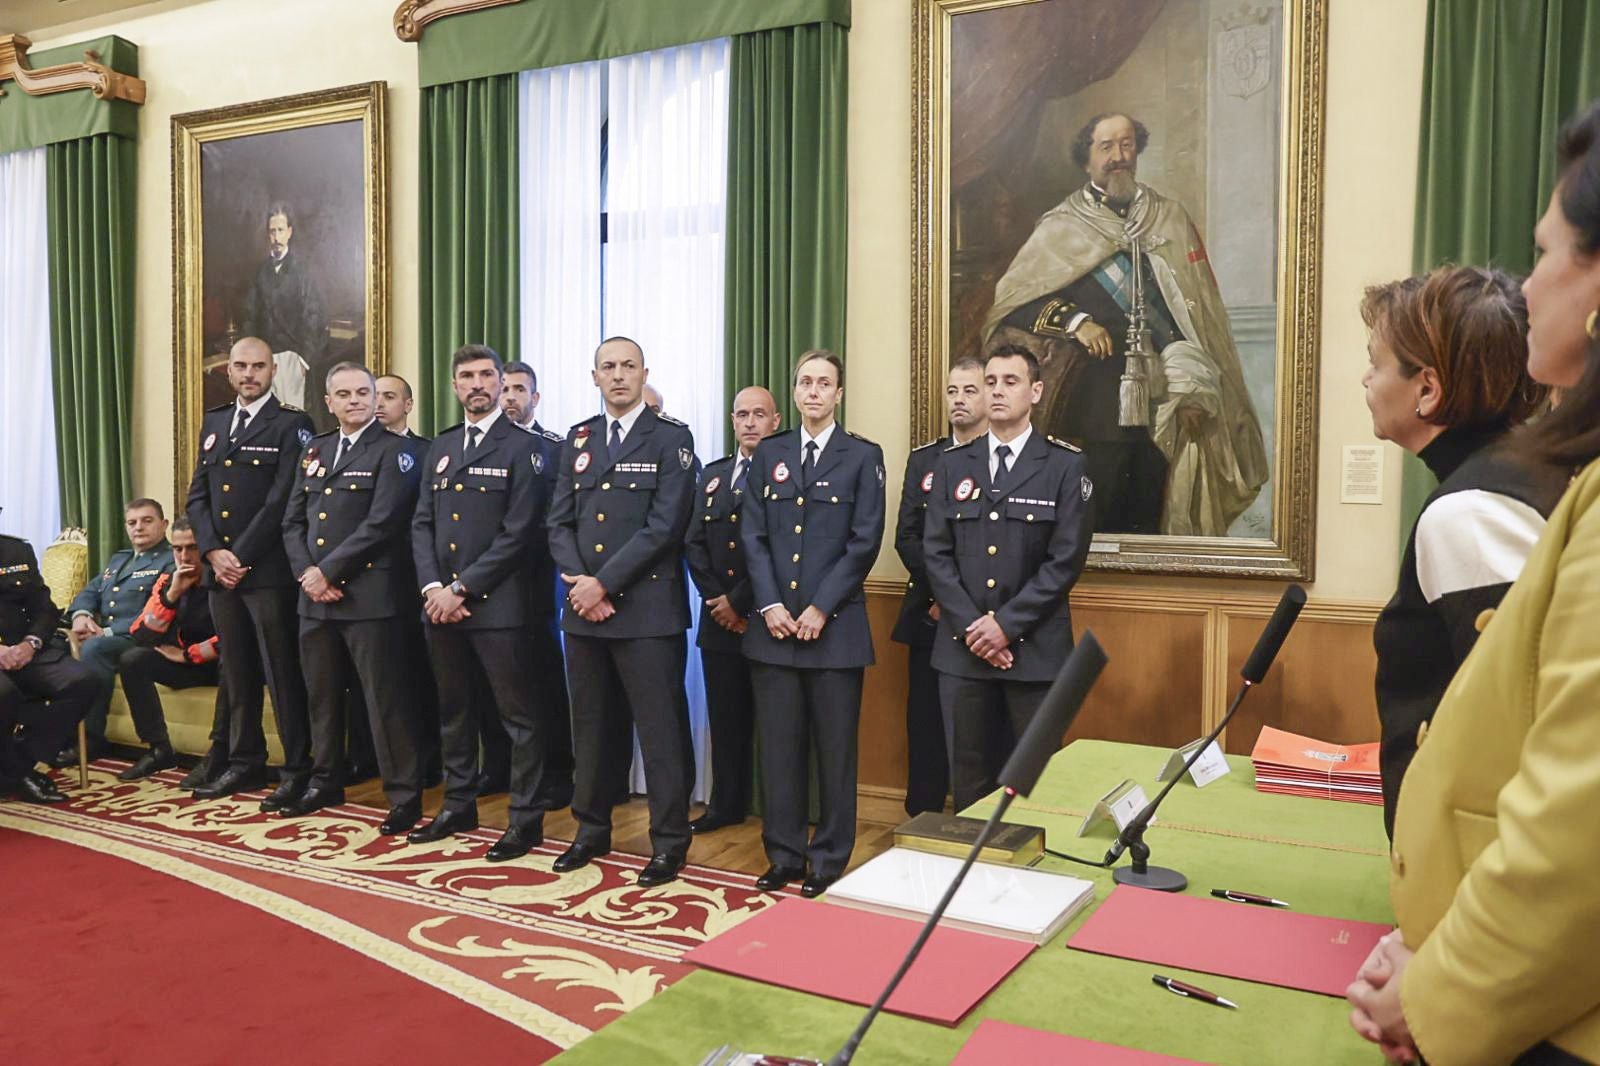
(1470, 326)
(1570, 434)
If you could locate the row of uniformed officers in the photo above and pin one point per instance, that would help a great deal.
(320, 547)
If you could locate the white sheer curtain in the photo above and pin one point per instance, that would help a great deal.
(560, 117)
(666, 209)
(29, 485)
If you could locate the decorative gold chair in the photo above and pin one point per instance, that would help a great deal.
(64, 565)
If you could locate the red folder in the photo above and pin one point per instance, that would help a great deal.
(1263, 944)
(998, 1044)
(849, 954)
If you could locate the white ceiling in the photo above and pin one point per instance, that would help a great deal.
(28, 17)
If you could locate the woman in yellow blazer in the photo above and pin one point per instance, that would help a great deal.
(1496, 856)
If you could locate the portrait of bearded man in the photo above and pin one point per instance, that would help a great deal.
(1172, 438)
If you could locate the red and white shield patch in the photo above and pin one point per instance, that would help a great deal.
(444, 461)
(927, 481)
(965, 489)
(210, 443)
(581, 464)
(713, 485)
(780, 473)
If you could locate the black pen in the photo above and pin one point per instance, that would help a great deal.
(1183, 988)
(1247, 897)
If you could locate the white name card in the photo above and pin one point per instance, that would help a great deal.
(1207, 768)
(1119, 807)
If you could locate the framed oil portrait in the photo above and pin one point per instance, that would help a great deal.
(279, 224)
(1131, 190)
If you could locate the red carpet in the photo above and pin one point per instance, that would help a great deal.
(103, 964)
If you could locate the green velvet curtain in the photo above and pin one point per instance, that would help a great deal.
(786, 203)
(35, 121)
(91, 208)
(1500, 77)
(469, 225)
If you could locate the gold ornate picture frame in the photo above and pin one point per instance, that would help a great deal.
(280, 223)
(1229, 98)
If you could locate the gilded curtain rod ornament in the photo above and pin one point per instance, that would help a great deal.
(89, 73)
(413, 16)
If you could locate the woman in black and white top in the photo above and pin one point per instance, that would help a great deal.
(1448, 378)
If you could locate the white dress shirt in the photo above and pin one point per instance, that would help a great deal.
(1015, 445)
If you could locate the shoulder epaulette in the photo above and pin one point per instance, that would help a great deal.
(8, 536)
(777, 433)
(955, 446)
(670, 420)
(1059, 443)
(932, 443)
(290, 408)
(219, 408)
(526, 429)
(550, 434)
(585, 422)
(329, 433)
(860, 438)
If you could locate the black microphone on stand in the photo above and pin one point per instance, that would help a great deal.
(1041, 740)
(1140, 873)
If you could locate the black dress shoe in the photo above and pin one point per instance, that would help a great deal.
(445, 823)
(778, 876)
(710, 822)
(230, 781)
(312, 799)
(401, 819)
(208, 769)
(517, 842)
(815, 886)
(286, 794)
(577, 857)
(661, 869)
(37, 788)
(159, 757)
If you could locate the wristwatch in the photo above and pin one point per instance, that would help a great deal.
(458, 589)
(38, 645)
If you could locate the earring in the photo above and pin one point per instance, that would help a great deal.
(1592, 327)
(1419, 410)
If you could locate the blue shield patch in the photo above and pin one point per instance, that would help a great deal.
(406, 462)
(305, 437)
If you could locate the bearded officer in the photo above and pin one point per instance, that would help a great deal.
(1008, 530)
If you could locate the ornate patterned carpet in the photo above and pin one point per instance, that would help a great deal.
(556, 955)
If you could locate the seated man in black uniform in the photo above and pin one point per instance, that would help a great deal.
(176, 645)
(42, 688)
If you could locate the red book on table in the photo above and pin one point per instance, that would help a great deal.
(849, 954)
(996, 1043)
(1268, 945)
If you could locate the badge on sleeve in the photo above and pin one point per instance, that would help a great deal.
(406, 462)
(1086, 489)
(211, 442)
(880, 475)
(964, 490)
(538, 463)
(581, 464)
(444, 461)
(305, 436)
(685, 458)
(780, 473)
(927, 481)
(712, 485)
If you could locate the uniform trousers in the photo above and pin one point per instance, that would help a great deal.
(617, 685)
(101, 654)
(979, 711)
(141, 670)
(730, 708)
(801, 711)
(553, 707)
(496, 654)
(46, 699)
(341, 657)
(927, 761)
(260, 640)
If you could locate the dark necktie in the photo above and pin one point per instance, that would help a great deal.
(338, 455)
(1001, 466)
(474, 435)
(808, 467)
(738, 475)
(239, 424)
(614, 445)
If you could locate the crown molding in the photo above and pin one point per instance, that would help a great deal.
(413, 16)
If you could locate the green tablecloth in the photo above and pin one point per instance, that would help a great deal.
(1322, 857)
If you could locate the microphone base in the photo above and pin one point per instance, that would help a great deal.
(1158, 878)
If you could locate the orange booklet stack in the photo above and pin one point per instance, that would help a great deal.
(1301, 766)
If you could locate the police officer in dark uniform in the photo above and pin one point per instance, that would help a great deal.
(546, 673)
(715, 555)
(623, 500)
(475, 525)
(813, 525)
(241, 486)
(927, 761)
(1008, 530)
(42, 688)
(345, 530)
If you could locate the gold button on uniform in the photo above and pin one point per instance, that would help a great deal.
(113, 603)
(224, 514)
(733, 518)
(320, 542)
(599, 518)
(730, 574)
(993, 550)
(794, 584)
(598, 548)
(794, 559)
(327, 492)
(994, 516)
(455, 518)
(227, 540)
(1030, 518)
(116, 588)
(227, 462)
(458, 486)
(833, 499)
(799, 501)
(732, 544)
(322, 515)
(452, 547)
(605, 484)
(797, 529)
(227, 488)
(989, 583)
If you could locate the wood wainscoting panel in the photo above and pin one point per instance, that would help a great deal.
(882, 731)
(1153, 689)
